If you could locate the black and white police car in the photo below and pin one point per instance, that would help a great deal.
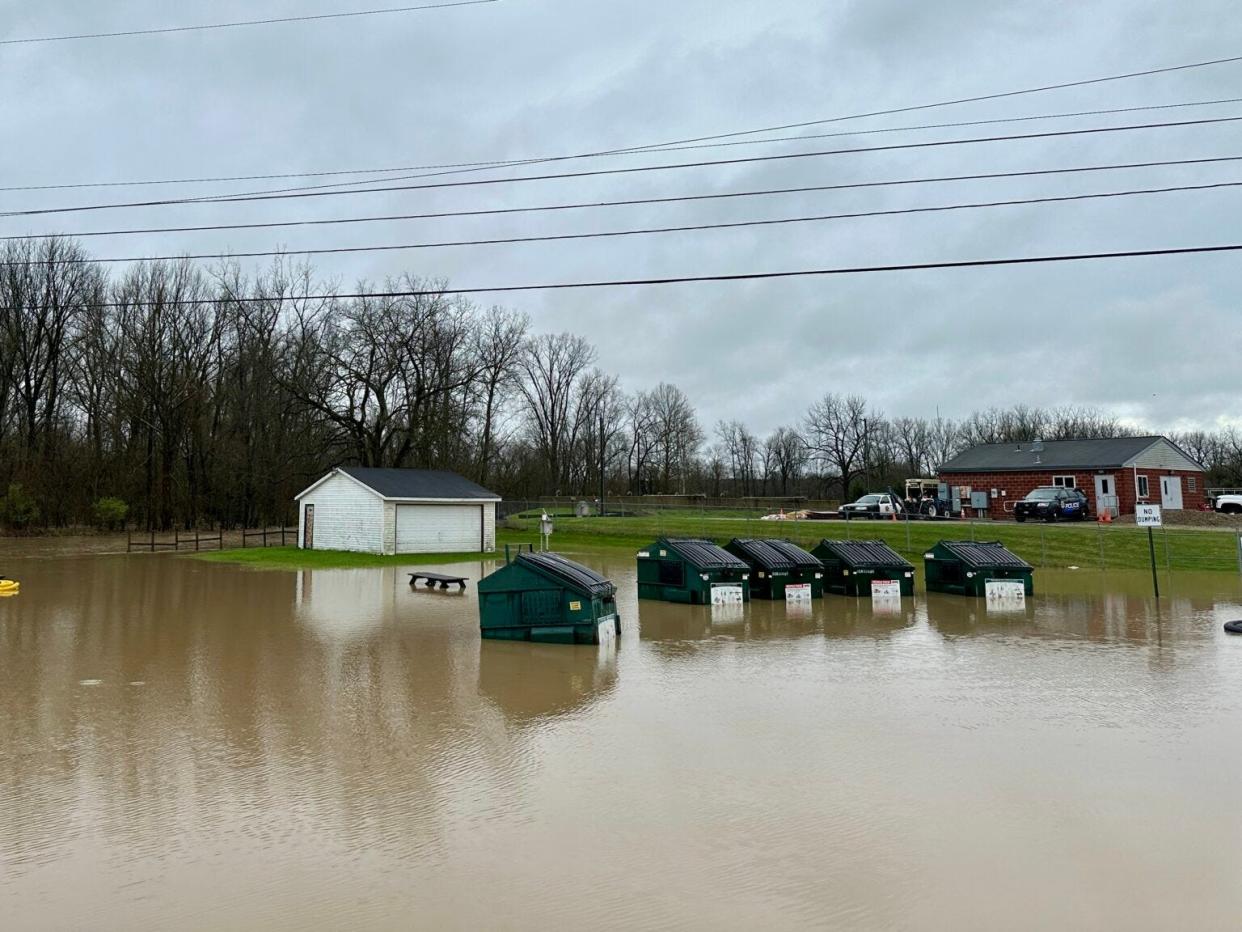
(1052, 504)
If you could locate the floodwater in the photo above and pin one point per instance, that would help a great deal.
(186, 745)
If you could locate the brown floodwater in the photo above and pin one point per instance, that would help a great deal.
(186, 745)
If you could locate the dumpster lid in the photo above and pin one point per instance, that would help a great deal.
(774, 554)
(567, 571)
(866, 553)
(706, 555)
(984, 553)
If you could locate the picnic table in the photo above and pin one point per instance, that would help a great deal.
(432, 579)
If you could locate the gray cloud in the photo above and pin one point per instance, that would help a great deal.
(1154, 341)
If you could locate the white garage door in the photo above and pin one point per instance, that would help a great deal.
(439, 528)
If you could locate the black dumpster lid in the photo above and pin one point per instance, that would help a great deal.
(984, 553)
(706, 555)
(774, 554)
(567, 571)
(866, 553)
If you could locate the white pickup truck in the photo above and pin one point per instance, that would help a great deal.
(1229, 503)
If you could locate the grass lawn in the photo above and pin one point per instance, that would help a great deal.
(291, 558)
(1087, 545)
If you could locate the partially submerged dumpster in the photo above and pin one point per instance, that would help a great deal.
(851, 565)
(779, 569)
(694, 571)
(963, 567)
(545, 597)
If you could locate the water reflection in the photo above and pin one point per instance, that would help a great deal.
(186, 745)
(529, 682)
(847, 617)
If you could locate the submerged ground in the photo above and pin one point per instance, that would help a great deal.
(194, 745)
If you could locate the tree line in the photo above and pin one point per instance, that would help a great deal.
(170, 395)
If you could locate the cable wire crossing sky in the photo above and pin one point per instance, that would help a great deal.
(487, 111)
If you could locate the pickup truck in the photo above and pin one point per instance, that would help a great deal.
(1229, 503)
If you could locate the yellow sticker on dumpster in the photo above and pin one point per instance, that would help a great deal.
(575, 606)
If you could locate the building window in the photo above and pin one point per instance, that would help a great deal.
(1064, 482)
(1143, 489)
(1192, 483)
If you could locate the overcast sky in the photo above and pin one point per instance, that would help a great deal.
(1155, 341)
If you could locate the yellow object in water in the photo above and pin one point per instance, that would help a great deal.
(10, 587)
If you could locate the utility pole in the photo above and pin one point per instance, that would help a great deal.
(601, 464)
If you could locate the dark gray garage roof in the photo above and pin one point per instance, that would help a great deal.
(418, 483)
(1051, 454)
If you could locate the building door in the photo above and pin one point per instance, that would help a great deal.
(308, 528)
(1171, 493)
(1106, 496)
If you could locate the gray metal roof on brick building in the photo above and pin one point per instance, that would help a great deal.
(418, 483)
(1050, 455)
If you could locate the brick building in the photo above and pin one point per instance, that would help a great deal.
(1116, 473)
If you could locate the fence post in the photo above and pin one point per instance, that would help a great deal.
(1168, 559)
(129, 545)
(1043, 546)
(265, 535)
(1099, 533)
(153, 540)
(196, 538)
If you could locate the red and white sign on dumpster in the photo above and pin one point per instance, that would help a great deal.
(798, 592)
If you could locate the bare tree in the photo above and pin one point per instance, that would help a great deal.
(787, 455)
(837, 436)
(501, 341)
(550, 368)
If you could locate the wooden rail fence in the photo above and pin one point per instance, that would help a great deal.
(148, 543)
(284, 535)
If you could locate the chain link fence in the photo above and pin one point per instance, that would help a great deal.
(1081, 545)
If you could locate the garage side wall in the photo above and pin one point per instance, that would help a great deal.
(347, 517)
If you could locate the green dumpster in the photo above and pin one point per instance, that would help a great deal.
(964, 567)
(851, 565)
(779, 568)
(693, 571)
(545, 597)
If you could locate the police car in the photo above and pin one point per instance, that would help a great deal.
(1052, 504)
(875, 505)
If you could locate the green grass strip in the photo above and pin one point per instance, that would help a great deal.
(1087, 545)
(292, 558)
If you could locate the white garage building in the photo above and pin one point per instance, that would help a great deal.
(396, 511)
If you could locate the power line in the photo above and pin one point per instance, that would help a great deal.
(232, 199)
(150, 182)
(495, 211)
(248, 22)
(961, 100)
(689, 228)
(691, 279)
